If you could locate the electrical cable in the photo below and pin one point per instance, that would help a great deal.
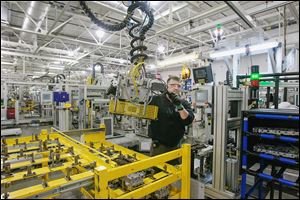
(137, 39)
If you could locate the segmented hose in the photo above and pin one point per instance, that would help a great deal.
(136, 52)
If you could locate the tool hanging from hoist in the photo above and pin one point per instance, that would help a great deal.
(136, 89)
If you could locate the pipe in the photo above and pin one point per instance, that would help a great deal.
(37, 11)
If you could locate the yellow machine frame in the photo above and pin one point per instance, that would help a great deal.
(85, 166)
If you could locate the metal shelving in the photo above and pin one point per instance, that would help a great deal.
(270, 139)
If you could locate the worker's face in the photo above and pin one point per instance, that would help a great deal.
(174, 86)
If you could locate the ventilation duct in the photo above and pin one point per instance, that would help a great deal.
(37, 11)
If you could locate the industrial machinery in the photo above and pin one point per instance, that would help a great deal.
(49, 164)
(25, 103)
(215, 136)
(46, 104)
(62, 110)
(67, 106)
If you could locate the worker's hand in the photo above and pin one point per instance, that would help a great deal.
(176, 100)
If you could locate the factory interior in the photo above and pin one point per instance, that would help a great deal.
(150, 99)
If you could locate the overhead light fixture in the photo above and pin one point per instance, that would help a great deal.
(100, 33)
(122, 61)
(151, 66)
(38, 72)
(56, 62)
(161, 49)
(178, 59)
(228, 53)
(263, 46)
(71, 53)
(57, 68)
(242, 50)
(6, 63)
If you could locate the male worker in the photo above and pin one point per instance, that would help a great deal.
(174, 114)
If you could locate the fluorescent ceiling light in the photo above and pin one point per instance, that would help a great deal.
(151, 66)
(263, 46)
(161, 49)
(228, 53)
(100, 33)
(56, 62)
(6, 63)
(72, 53)
(58, 68)
(122, 61)
(38, 72)
(178, 59)
(242, 50)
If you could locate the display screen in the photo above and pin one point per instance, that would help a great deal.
(47, 97)
(201, 96)
(200, 73)
(203, 75)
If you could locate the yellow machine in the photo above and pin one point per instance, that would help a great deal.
(48, 164)
(130, 109)
(134, 95)
(29, 106)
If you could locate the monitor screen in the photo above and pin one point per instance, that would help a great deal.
(203, 74)
(200, 73)
(201, 96)
(46, 97)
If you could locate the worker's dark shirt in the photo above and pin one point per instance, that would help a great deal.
(169, 128)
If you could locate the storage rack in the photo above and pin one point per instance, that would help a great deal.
(270, 119)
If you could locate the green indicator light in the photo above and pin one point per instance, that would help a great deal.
(254, 76)
(265, 83)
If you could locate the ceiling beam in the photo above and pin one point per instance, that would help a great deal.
(239, 10)
(51, 30)
(231, 18)
(39, 57)
(194, 4)
(59, 26)
(184, 22)
(60, 37)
